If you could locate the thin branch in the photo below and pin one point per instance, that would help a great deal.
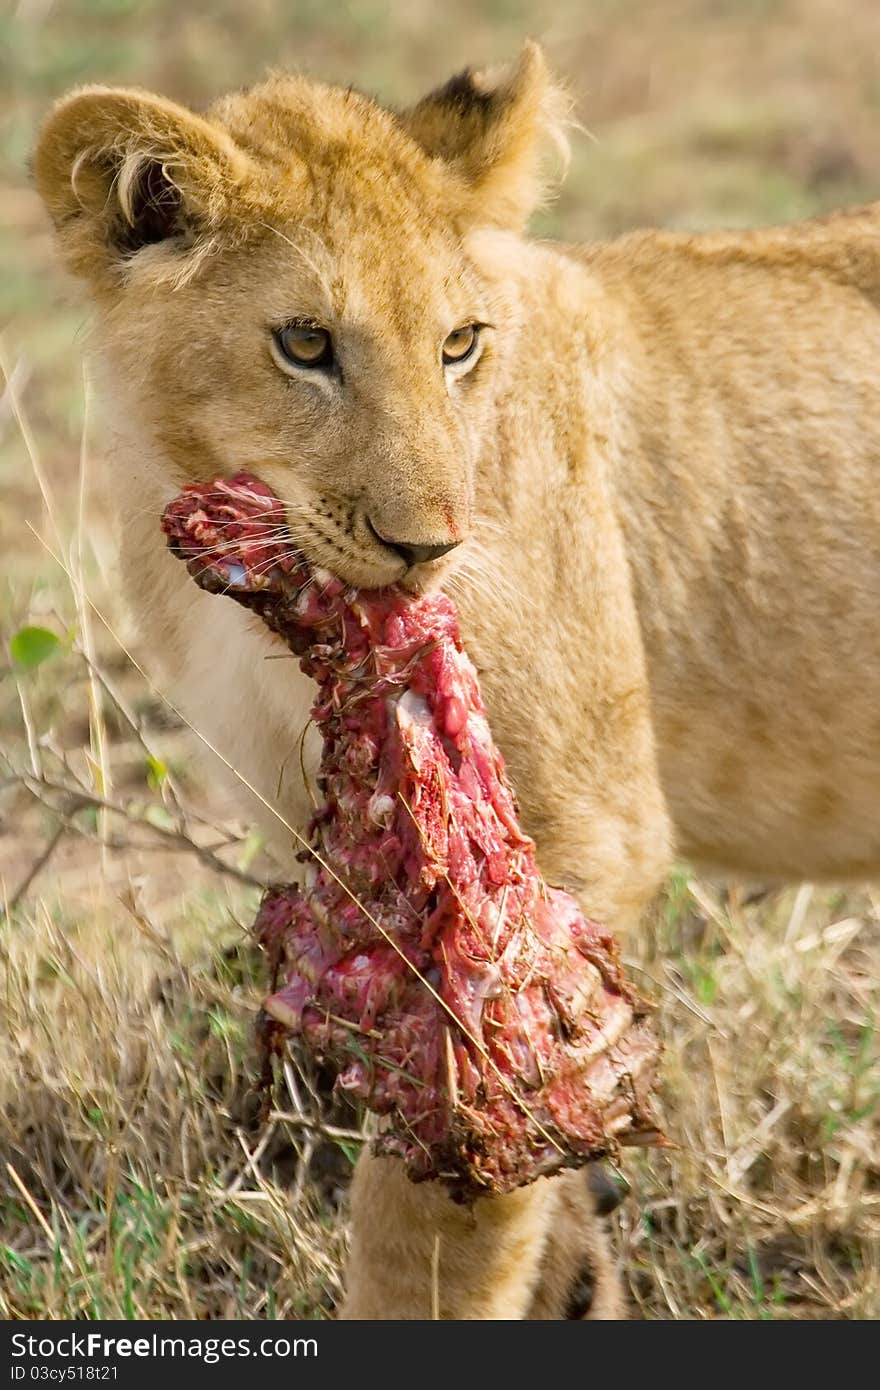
(39, 863)
(304, 1121)
(76, 800)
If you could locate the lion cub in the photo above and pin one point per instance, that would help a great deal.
(646, 469)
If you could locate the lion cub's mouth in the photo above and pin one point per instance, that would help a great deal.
(427, 578)
(334, 534)
(361, 559)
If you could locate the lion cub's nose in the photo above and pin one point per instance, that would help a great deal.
(416, 553)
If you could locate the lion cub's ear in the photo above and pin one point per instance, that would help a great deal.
(492, 129)
(121, 170)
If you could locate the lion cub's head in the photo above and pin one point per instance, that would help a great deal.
(304, 285)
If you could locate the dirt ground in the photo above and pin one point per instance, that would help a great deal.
(139, 1176)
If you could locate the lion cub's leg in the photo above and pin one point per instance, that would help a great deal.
(417, 1254)
(579, 1276)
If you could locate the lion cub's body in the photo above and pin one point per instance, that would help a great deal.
(667, 471)
(748, 465)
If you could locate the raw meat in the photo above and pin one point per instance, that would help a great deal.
(452, 989)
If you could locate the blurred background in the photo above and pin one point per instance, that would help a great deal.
(139, 1176)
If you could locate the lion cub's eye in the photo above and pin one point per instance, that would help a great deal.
(461, 343)
(305, 344)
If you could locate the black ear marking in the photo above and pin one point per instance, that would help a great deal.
(462, 92)
(155, 210)
(491, 128)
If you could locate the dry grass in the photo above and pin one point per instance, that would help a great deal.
(138, 1176)
(771, 1205)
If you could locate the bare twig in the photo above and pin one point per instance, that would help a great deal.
(39, 863)
(74, 799)
(325, 1131)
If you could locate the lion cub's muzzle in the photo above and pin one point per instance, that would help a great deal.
(416, 552)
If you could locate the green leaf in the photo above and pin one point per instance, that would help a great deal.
(156, 772)
(31, 646)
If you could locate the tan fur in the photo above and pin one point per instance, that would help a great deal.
(664, 465)
(416, 1252)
